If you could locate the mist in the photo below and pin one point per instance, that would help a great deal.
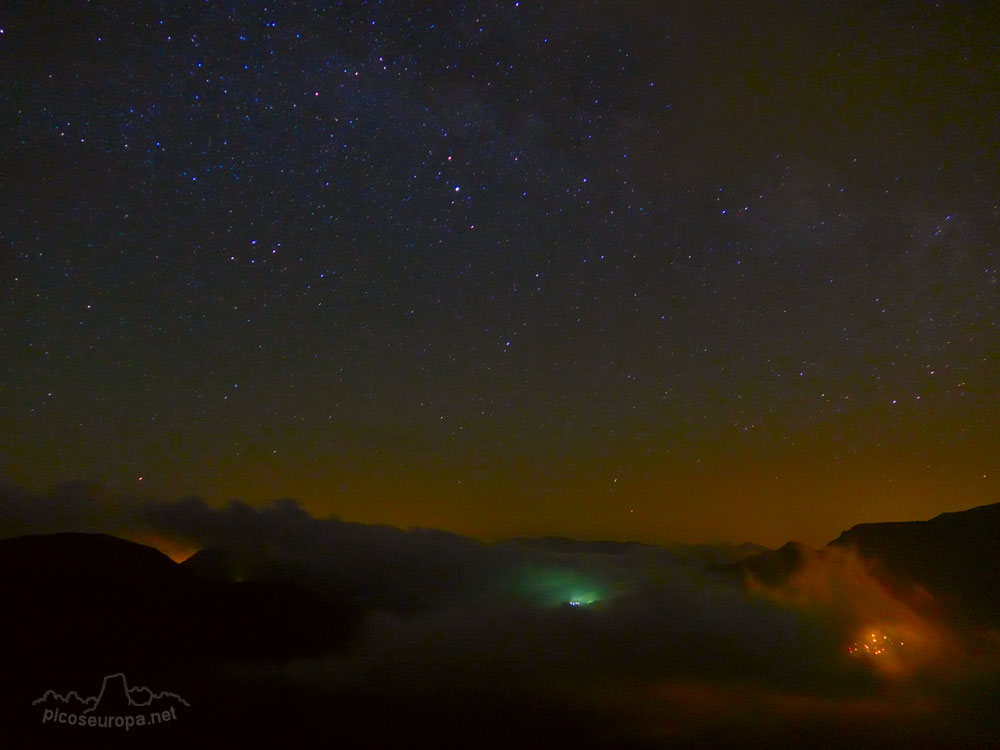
(550, 638)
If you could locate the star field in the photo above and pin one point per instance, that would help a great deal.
(663, 272)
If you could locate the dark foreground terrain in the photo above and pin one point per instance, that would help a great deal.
(530, 643)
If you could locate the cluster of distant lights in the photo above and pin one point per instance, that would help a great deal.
(875, 647)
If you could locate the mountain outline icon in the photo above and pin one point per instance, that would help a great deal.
(115, 696)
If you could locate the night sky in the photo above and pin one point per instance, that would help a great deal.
(664, 271)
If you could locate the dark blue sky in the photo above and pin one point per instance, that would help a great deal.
(691, 271)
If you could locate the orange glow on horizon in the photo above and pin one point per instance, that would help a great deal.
(176, 550)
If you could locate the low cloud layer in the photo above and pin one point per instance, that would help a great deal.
(654, 641)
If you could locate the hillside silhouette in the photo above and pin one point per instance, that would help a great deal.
(84, 605)
(952, 556)
(375, 636)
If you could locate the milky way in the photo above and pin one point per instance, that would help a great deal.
(675, 271)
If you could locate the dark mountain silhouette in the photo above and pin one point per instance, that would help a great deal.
(243, 632)
(91, 588)
(772, 566)
(85, 604)
(716, 554)
(372, 566)
(80, 557)
(78, 606)
(952, 556)
(234, 564)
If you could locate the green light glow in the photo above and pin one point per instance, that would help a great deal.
(556, 586)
